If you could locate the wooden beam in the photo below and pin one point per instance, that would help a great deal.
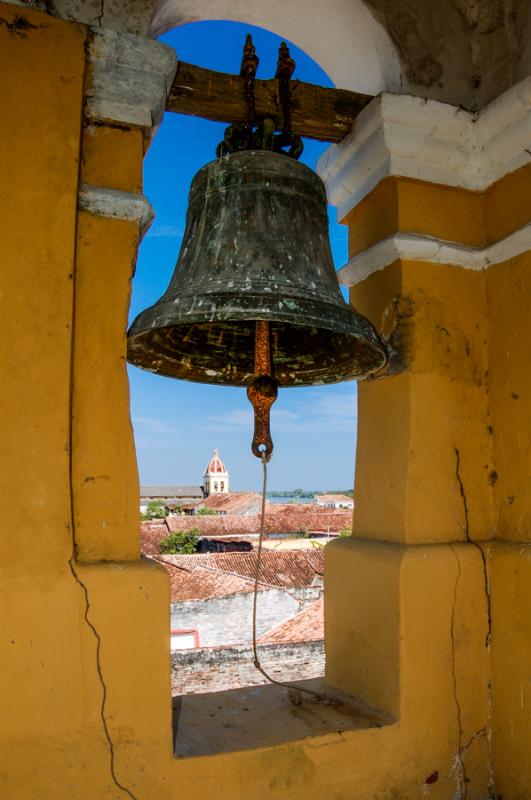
(316, 112)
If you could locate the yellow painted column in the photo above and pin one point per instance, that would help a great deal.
(438, 207)
(509, 297)
(78, 716)
(407, 609)
(105, 480)
(49, 705)
(412, 577)
(125, 91)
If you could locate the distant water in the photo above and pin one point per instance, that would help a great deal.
(291, 499)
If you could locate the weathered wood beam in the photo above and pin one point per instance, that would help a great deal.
(316, 112)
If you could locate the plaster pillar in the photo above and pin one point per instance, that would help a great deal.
(127, 80)
(408, 602)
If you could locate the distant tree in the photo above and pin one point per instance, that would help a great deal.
(155, 510)
(206, 512)
(180, 542)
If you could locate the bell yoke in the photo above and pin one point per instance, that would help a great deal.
(254, 299)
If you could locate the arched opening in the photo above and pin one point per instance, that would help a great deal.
(314, 429)
(342, 36)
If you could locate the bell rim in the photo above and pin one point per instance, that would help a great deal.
(289, 309)
(348, 323)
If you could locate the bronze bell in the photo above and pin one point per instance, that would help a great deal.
(255, 248)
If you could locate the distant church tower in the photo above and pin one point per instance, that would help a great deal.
(216, 476)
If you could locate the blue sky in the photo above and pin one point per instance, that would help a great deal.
(177, 423)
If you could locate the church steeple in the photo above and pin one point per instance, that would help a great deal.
(216, 476)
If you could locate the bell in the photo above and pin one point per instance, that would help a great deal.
(255, 248)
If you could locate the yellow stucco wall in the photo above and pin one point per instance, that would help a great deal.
(84, 662)
(429, 421)
(471, 218)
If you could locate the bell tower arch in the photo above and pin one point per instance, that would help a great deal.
(342, 36)
(216, 476)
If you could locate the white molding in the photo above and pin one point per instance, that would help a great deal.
(131, 77)
(417, 247)
(38, 5)
(435, 142)
(114, 204)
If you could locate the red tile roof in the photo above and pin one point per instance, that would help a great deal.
(284, 568)
(150, 536)
(306, 626)
(285, 519)
(334, 498)
(215, 464)
(234, 502)
(193, 581)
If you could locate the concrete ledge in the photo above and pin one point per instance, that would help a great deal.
(130, 78)
(265, 716)
(417, 247)
(429, 141)
(116, 205)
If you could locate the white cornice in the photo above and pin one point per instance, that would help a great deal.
(114, 204)
(430, 141)
(416, 247)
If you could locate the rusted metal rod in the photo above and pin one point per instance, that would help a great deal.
(262, 391)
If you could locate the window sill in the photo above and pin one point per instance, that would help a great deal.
(264, 716)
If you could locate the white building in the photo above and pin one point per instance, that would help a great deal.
(216, 476)
(334, 501)
(170, 496)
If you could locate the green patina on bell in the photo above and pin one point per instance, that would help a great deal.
(255, 247)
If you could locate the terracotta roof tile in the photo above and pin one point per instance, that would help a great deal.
(284, 568)
(150, 536)
(234, 502)
(192, 581)
(306, 626)
(287, 519)
(334, 498)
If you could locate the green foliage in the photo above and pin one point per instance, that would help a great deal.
(155, 510)
(205, 512)
(345, 533)
(301, 534)
(298, 493)
(180, 542)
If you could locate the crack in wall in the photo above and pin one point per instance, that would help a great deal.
(462, 492)
(486, 582)
(99, 17)
(20, 26)
(476, 735)
(99, 670)
(462, 777)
